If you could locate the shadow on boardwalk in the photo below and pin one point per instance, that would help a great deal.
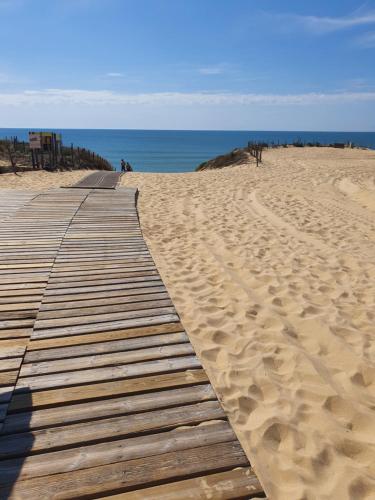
(16, 442)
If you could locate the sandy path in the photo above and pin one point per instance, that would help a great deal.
(273, 273)
(41, 179)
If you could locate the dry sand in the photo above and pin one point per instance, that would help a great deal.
(273, 273)
(41, 179)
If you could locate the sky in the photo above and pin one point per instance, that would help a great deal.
(188, 64)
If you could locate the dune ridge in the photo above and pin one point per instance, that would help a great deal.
(273, 273)
(41, 179)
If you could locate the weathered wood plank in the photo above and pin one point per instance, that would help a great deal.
(10, 363)
(84, 412)
(12, 348)
(138, 472)
(8, 378)
(105, 359)
(120, 450)
(97, 275)
(152, 281)
(107, 301)
(126, 292)
(90, 338)
(20, 306)
(13, 333)
(229, 485)
(48, 398)
(107, 373)
(104, 347)
(105, 309)
(106, 325)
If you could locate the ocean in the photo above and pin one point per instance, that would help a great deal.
(181, 150)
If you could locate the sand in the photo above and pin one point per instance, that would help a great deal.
(273, 273)
(41, 179)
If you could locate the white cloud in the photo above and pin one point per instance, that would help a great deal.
(49, 97)
(114, 75)
(321, 25)
(211, 70)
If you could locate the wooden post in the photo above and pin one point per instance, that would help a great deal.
(53, 162)
(11, 156)
(72, 151)
(50, 155)
(32, 158)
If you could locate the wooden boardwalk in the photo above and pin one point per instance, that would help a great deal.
(11, 200)
(101, 392)
(99, 180)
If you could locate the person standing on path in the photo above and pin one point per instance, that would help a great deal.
(123, 165)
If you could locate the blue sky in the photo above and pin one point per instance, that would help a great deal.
(188, 64)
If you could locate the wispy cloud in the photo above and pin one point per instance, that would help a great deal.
(322, 25)
(107, 97)
(359, 84)
(114, 75)
(211, 70)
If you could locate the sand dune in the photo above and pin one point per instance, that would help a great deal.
(41, 179)
(273, 273)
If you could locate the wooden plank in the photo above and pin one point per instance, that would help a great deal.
(122, 476)
(37, 265)
(21, 314)
(96, 274)
(91, 392)
(104, 347)
(103, 288)
(229, 485)
(109, 258)
(105, 309)
(16, 323)
(121, 450)
(107, 373)
(25, 278)
(99, 263)
(110, 265)
(12, 348)
(20, 306)
(106, 325)
(13, 333)
(124, 299)
(105, 359)
(84, 412)
(126, 292)
(120, 251)
(6, 393)
(37, 344)
(21, 289)
(8, 378)
(10, 363)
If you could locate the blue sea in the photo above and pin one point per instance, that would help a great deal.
(181, 150)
